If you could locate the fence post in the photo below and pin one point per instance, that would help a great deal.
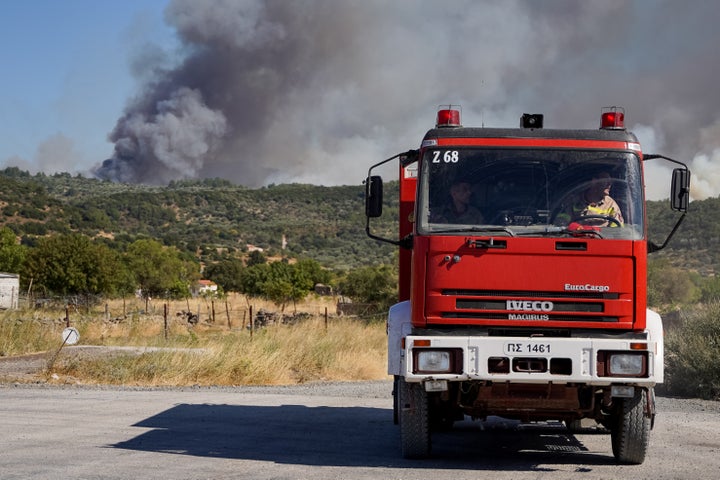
(227, 312)
(252, 322)
(165, 318)
(29, 294)
(326, 319)
(67, 315)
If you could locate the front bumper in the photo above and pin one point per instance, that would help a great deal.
(534, 360)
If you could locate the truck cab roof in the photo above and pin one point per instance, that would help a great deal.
(528, 133)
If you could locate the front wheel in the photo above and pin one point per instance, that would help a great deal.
(630, 432)
(414, 420)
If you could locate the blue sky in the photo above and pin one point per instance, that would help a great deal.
(65, 71)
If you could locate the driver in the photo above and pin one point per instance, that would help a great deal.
(458, 209)
(596, 201)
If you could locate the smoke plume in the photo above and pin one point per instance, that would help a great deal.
(316, 91)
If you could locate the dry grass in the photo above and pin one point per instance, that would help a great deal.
(223, 352)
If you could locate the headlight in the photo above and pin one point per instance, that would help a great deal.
(433, 361)
(626, 364)
(428, 361)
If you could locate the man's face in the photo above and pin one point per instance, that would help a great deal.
(461, 192)
(602, 184)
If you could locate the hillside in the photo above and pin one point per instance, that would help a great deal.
(208, 217)
(696, 245)
(203, 217)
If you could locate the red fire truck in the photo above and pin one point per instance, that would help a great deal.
(522, 279)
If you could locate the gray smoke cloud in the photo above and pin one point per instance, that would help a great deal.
(171, 141)
(317, 90)
(54, 154)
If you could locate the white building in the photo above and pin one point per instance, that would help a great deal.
(9, 290)
(205, 287)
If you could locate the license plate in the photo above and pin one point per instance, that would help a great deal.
(436, 385)
(527, 348)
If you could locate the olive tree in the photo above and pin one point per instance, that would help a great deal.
(375, 284)
(227, 273)
(282, 282)
(12, 254)
(74, 264)
(160, 271)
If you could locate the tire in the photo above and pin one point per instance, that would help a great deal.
(630, 434)
(414, 420)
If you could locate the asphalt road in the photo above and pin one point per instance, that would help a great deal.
(338, 431)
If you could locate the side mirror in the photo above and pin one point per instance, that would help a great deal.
(679, 196)
(680, 190)
(373, 196)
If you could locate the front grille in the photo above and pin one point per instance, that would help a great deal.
(529, 315)
(529, 294)
(502, 305)
(524, 305)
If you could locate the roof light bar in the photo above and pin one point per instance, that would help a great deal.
(613, 118)
(448, 116)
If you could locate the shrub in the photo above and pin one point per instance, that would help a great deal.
(691, 354)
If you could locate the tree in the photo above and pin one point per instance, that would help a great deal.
(311, 272)
(252, 279)
(73, 264)
(158, 269)
(376, 285)
(256, 257)
(227, 273)
(12, 255)
(282, 282)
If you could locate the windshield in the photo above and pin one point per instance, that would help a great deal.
(530, 192)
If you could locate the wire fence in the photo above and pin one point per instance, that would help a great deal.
(234, 311)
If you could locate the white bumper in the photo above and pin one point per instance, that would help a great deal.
(479, 355)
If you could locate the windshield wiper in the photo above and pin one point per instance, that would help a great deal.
(476, 229)
(549, 231)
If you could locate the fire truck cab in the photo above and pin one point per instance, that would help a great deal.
(522, 279)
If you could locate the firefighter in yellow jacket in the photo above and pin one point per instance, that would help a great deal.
(596, 201)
